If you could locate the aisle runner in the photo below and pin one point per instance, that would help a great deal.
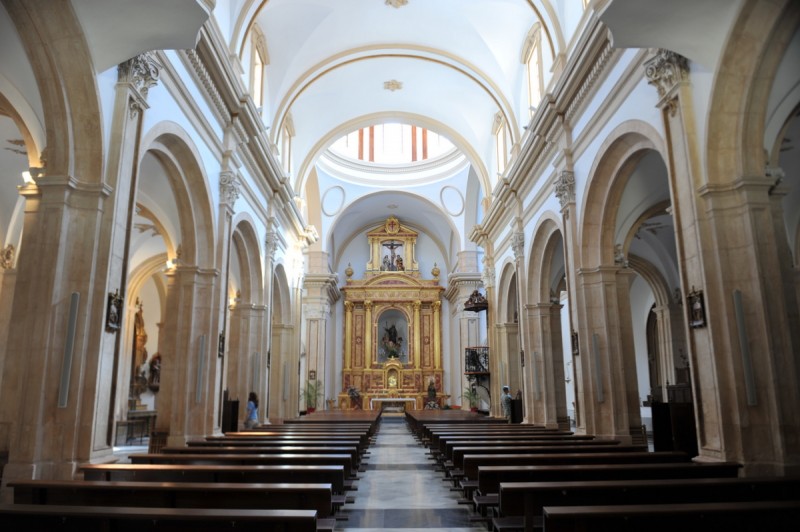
(400, 490)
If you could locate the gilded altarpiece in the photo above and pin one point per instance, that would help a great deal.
(393, 334)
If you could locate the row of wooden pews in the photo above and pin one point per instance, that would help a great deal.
(293, 477)
(522, 477)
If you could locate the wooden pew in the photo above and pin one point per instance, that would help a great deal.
(456, 471)
(483, 502)
(255, 436)
(295, 496)
(490, 477)
(344, 460)
(446, 444)
(441, 441)
(277, 449)
(471, 462)
(326, 474)
(773, 516)
(521, 503)
(35, 517)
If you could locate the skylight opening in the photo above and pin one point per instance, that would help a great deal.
(392, 143)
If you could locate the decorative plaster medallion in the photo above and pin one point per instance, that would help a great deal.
(392, 85)
(333, 201)
(452, 201)
(397, 4)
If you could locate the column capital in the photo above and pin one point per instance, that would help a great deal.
(228, 188)
(518, 245)
(142, 72)
(666, 71)
(564, 188)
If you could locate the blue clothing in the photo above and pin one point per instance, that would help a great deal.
(251, 418)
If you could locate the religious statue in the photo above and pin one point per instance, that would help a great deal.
(7, 257)
(392, 343)
(154, 380)
(392, 262)
(431, 391)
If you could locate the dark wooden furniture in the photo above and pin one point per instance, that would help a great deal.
(775, 516)
(326, 474)
(36, 517)
(490, 477)
(296, 496)
(523, 502)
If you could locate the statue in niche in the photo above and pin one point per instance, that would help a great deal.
(392, 343)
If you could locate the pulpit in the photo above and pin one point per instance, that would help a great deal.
(392, 324)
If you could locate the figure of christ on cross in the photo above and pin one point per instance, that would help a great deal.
(393, 260)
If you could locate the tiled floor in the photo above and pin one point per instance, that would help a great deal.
(401, 491)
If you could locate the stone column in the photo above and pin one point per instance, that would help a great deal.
(74, 246)
(466, 331)
(228, 194)
(321, 294)
(524, 340)
(8, 278)
(731, 248)
(547, 362)
(264, 387)
(190, 367)
(608, 355)
(565, 192)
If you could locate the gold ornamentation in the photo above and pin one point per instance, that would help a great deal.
(392, 85)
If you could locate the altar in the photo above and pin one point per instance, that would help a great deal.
(392, 325)
(385, 401)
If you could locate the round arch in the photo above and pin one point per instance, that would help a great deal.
(173, 147)
(62, 65)
(546, 238)
(248, 251)
(739, 100)
(617, 158)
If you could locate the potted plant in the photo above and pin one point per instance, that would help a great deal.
(311, 393)
(473, 398)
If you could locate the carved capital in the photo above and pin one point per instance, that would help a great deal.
(565, 188)
(665, 72)
(141, 71)
(348, 306)
(228, 188)
(271, 244)
(518, 245)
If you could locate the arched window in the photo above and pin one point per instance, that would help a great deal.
(258, 64)
(532, 58)
(287, 132)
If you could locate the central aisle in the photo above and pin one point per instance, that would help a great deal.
(400, 489)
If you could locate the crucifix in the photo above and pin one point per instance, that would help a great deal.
(390, 262)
